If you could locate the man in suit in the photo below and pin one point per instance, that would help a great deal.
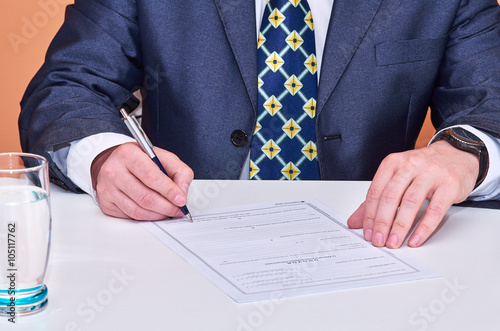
(383, 63)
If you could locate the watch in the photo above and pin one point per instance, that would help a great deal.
(466, 141)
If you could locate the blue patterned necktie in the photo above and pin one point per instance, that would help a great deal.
(283, 145)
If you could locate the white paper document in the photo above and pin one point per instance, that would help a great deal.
(259, 252)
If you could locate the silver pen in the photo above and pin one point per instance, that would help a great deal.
(147, 147)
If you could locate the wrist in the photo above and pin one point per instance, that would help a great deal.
(468, 142)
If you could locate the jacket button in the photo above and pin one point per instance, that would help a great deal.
(239, 138)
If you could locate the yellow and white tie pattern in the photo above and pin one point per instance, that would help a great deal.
(283, 145)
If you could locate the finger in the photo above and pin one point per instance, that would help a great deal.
(382, 176)
(412, 201)
(134, 211)
(114, 202)
(439, 203)
(355, 221)
(117, 190)
(109, 208)
(388, 205)
(151, 176)
(144, 197)
(107, 192)
(178, 171)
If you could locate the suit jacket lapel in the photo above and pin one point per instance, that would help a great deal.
(238, 18)
(349, 21)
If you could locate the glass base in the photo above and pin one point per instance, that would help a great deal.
(26, 302)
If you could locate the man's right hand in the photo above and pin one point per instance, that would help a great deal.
(128, 183)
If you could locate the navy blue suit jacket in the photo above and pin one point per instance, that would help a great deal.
(384, 64)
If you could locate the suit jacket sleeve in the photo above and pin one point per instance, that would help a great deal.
(467, 88)
(92, 65)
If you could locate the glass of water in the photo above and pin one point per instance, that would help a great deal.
(25, 224)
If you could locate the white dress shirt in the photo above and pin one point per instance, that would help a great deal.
(76, 158)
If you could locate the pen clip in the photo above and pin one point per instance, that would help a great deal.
(141, 131)
(138, 133)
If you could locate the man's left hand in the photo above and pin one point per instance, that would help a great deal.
(439, 173)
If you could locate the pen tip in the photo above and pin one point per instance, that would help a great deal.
(189, 217)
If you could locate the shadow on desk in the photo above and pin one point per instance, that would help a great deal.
(492, 204)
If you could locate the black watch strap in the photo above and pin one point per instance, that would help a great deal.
(466, 141)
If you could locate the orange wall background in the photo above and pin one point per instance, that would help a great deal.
(27, 28)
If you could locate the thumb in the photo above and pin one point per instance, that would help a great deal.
(355, 221)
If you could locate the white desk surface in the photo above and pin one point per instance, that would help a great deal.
(111, 274)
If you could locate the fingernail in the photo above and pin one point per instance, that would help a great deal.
(378, 239)
(368, 235)
(414, 240)
(392, 241)
(179, 200)
(179, 214)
